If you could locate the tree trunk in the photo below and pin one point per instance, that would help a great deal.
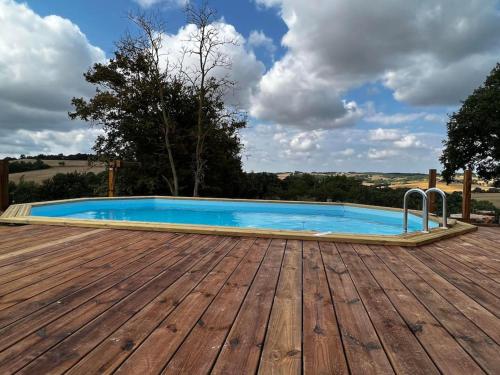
(198, 173)
(174, 186)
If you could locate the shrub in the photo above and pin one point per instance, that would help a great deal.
(61, 186)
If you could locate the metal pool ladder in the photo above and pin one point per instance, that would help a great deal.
(425, 209)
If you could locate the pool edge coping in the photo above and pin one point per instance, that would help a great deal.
(20, 214)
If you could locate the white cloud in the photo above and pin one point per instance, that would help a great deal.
(384, 134)
(430, 52)
(376, 154)
(408, 141)
(303, 99)
(42, 61)
(268, 3)
(305, 141)
(268, 148)
(431, 82)
(403, 118)
(432, 117)
(259, 39)
(427, 53)
(150, 3)
(399, 138)
(280, 137)
(245, 70)
(31, 142)
(347, 152)
(292, 93)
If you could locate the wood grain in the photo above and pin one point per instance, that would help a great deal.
(282, 352)
(82, 301)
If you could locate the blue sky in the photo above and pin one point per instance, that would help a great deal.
(104, 21)
(329, 85)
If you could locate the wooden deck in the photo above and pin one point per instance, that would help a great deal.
(83, 301)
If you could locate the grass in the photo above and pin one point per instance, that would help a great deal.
(492, 197)
(423, 184)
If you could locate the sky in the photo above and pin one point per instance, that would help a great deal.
(328, 85)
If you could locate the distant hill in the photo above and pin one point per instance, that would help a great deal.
(77, 157)
(399, 180)
(56, 166)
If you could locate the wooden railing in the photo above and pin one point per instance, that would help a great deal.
(4, 185)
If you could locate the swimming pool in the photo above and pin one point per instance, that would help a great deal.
(277, 216)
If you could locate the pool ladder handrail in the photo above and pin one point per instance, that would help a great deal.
(444, 224)
(425, 212)
(425, 208)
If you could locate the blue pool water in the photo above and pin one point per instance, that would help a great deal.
(280, 216)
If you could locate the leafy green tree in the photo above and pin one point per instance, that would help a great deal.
(128, 107)
(261, 186)
(148, 45)
(474, 133)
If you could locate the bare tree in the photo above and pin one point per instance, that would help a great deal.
(150, 43)
(206, 44)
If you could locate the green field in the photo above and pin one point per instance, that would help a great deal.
(492, 197)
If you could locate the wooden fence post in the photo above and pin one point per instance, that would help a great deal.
(432, 196)
(111, 179)
(466, 195)
(4, 185)
(112, 171)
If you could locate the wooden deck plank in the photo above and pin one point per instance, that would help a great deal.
(479, 345)
(82, 301)
(15, 241)
(483, 318)
(41, 256)
(11, 210)
(364, 351)
(484, 244)
(77, 259)
(14, 232)
(403, 349)
(107, 356)
(54, 233)
(282, 351)
(26, 253)
(443, 349)
(477, 250)
(472, 250)
(491, 232)
(31, 285)
(241, 351)
(33, 345)
(451, 261)
(17, 229)
(154, 353)
(468, 286)
(477, 262)
(89, 331)
(200, 348)
(323, 352)
(70, 294)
